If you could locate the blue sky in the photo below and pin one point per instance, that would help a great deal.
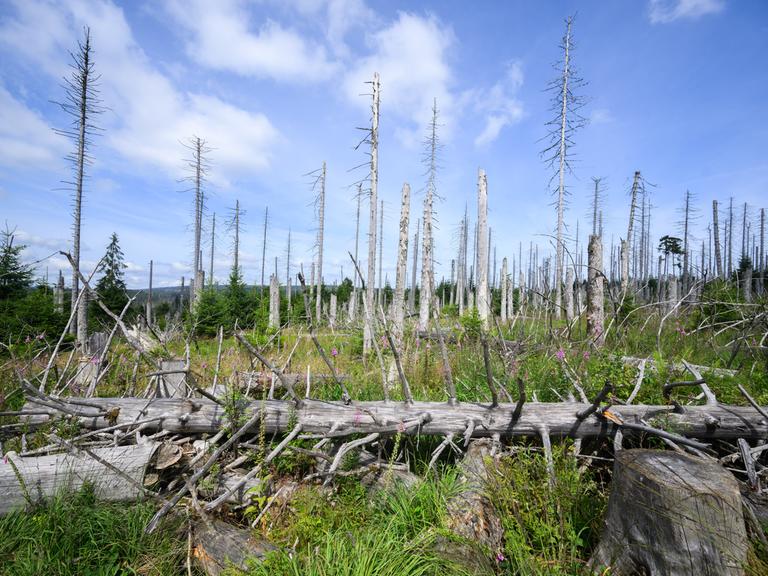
(676, 89)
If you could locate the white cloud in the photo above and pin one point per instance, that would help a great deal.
(411, 57)
(25, 137)
(601, 116)
(221, 38)
(148, 116)
(500, 104)
(665, 11)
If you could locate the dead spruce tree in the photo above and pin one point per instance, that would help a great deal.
(288, 272)
(398, 309)
(197, 168)
(354, 296)
(318, 187)
(566, 104)
(264, 248)
(626, 244)
(432, 144)
(716, 239)
(373, 140)
(414, 270)
(213, 249)
(483, 305)
(83, 105)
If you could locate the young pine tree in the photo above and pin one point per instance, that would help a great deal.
(15, 277)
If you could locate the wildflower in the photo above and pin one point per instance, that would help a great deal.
(5, 459)
(40, 336)
(205, 365)
(586, 354)
(560, 354)
(334, 352)
(500, 557)
(95, 360)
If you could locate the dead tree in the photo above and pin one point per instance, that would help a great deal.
(264, 247)
(213, 249)
(626, 243)
(274, 302)
(504, 290)
(729, 237)
(319, 187)
(595, 295)
(566, 104)
(234, 226)
(149, 313)
(288, 272)
(354, 297)
(716, 232)
(197, 167)
(427, 244)
(83, 105)
(372, 220)
(414, 270)
(398, 309)
(483, 306)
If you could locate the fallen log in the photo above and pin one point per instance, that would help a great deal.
(335, 419)
(670, 513)
(116, 474)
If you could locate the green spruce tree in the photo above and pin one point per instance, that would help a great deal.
(111, 286)
(15, 277)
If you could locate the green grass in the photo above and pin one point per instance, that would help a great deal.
(73, 535)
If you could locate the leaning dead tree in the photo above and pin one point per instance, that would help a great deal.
(83, 105)
(566, 104)
(626, 244)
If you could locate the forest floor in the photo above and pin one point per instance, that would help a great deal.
(548, 528)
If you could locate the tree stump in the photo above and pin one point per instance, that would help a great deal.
(219, 546)
(670, 513)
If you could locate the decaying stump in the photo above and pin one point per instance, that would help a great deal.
(218, 546)
(670, 513)
(116, 474)
(472, 516)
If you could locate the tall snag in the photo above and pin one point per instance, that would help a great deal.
(373, 139)
(83, 105)
(427, 243)
(566, 104)
(398, 309)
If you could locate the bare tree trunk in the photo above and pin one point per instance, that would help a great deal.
(236, 255)
(730, 237)
(398, 308)
(198, 149)
(320, 234)
(562, 168)
(274, 302)
(149, 295)
(716, 232)
(483, 308)
(761, 260)
(427, 260)
(461, 283)
(333, 310)
(686, 244)
(504, 290)
(380, 292)
(568, 298)
(288, 273)
(626, 244)
(595, 295)
(353, 298)
(58, 296)
(414, 271)
(372, 221)
(264, 249)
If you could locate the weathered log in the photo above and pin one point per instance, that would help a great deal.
(197, 416)
(670, 513)
(31, 480)
(218, 546)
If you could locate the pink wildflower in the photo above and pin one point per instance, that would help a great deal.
(334, 352)
(560, 354)
(586, 354)
(500, 557)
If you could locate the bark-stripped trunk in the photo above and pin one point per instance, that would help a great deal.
(686, 244)
(483, 305)
(372, 220)
(264, 249)
(197, 287)
(729, 236)
(561, 172)
(149, 294)
(353, 298)
(274, 302)
(398, 309)
(626, 244)
(288, 273)
(504, 290)
(320, 234)
(595, 296)
(414, 271)
(426, 263)
(202, 416)
(716, 232)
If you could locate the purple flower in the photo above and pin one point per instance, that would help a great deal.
(5, 459)
(334, 352)
(586, 354)
(95, 360)
(205, 365)
(500, 557)
(40, 336)
(560, 354)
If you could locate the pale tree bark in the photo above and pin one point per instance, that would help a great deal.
(213, 249)
(264, 248)
(595, 295)
(461, 279)
(483, 305)
(274, 302)
(730, 238)
(380, 292)
(716, 232)
(149, 295)
(686, 244)
(353, 298)
(288, 273)
(414, 271)
(761, 260)
(372, 220)
(398, 309)
(427, 260)
(504, 290)
(198, 165)
(320, 238)
(626, 244)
